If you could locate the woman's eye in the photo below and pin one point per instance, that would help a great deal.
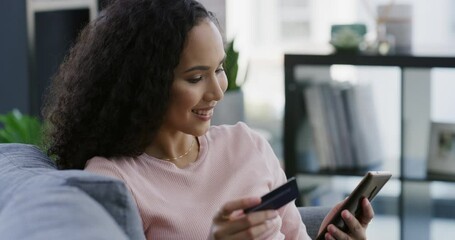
(219, 70)
(195, 79)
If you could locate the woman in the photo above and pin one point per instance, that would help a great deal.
(134, 101)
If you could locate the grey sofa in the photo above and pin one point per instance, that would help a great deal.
(37, 201)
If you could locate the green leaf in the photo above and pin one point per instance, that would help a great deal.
(231, 66)
(19, 128)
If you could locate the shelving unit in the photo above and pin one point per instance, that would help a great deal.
(414, 202)
(36, 36)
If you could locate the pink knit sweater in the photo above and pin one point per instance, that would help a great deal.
(234, 162)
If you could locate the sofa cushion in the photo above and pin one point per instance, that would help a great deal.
(312, 217)
(114, 196)
(24, 168)
(57, 212)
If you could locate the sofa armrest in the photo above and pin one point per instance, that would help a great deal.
(27, 173)
(312, 218)
(59, 212)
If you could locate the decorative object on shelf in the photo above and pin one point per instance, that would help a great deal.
(384, 43)
(396, 20)
(18, 128)
(441, 152)
(347, 38)
(230, 110)
(393, 29)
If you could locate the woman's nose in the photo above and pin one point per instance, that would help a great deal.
(216, 88)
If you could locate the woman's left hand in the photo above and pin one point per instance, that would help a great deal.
(356, 226)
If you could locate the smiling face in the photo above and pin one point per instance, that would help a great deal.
(199, 81)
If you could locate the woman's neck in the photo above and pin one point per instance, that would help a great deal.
(180, 150)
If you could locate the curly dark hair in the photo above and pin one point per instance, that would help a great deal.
(111, 92)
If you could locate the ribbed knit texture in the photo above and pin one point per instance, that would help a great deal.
(234, 162)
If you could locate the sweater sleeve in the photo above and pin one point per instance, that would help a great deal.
(292, 226)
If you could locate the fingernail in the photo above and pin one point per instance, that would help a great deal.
(346, 214)
(327, 236)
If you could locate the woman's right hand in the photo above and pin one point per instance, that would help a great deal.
(231, 223)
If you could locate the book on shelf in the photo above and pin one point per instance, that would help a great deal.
(317, 121)
(367, 132)
(342, 122)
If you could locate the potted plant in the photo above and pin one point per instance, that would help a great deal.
(16, 127)
(230, 110)
(231, 67)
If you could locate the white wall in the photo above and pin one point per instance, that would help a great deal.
(218, 7)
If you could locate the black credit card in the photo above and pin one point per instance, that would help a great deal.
(278, 197)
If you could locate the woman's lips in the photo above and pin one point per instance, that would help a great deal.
(203, 113)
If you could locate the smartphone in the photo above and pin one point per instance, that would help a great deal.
(369, 186)
(277, 197)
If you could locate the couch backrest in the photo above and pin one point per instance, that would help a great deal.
(25, 169)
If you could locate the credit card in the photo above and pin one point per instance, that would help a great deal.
(277, 197)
